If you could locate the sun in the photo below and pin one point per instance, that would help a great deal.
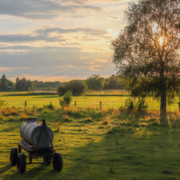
(161, 41)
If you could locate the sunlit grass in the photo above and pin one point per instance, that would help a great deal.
(112, 143)
(81, 101)
(135, 142)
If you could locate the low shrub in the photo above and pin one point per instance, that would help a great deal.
(50, 106)
(66, 100)
(129, 104)
(10, 111)
(141, 105)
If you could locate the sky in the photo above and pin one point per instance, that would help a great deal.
(59, 40)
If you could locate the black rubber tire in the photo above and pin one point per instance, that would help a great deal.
(21, 163)
(57, 161)
(13, 156)
(47, 160)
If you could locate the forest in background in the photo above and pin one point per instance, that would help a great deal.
(94, 82)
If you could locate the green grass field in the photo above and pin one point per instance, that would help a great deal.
(112, 99)
(106, 144)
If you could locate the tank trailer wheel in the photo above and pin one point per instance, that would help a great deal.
(13, 156)
(21, 163)
(47, 160)
(57, 162)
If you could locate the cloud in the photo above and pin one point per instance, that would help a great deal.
(97, 61)
(47, 35)
(69, 66)
(92, 65)
(80, 2)
(113, 17)
(18, 68)
(12, 68)
(41, 9)
(5, 68)
(95, 67)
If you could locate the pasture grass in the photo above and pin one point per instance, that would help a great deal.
(92, 101)
(108, 144)
(111, 143)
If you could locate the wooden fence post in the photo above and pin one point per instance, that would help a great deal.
(50, 103)
(25, 103)
(75, 103)
(100, 105)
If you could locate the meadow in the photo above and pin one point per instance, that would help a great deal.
(109, 99)
(112, 143)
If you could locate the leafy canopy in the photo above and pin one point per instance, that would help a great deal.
(147, 50)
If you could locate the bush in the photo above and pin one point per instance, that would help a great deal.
(50, 106)
(66, 100)
(77, 87)
(3, 103)
(129, 104)
(61, 89)
(95, 82)
(141, 105)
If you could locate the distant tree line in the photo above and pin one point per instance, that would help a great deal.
(24, 85)
(40, 85)
(20, 85)
(6, 84)
(77, 87)
(94, 82)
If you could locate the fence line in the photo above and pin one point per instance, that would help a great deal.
(101, 104)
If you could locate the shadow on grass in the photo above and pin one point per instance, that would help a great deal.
(31, 174)
(120, 95)
(141, 152)
(47, 96)
(11, 126)
(31, 94)
(5, 168)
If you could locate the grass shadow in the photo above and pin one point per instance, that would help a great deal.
(5, 168)
(136, 148)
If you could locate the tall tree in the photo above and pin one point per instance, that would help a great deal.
(3, 82)
(147, 50)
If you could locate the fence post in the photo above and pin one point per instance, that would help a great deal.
(179, 106)
(75, 103)
(25, 103)
(100, 105)
(50, 103)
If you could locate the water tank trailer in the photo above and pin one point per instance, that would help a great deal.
(37, 142)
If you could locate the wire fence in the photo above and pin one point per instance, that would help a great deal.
(97, 103)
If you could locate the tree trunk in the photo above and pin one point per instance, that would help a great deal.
(163, 115)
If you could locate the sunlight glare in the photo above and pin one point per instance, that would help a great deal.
(161, 41)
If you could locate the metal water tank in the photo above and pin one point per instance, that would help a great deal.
(30, 131)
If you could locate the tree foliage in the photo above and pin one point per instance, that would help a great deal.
(24, 84)
(95, 82)
(6, 84)
(114, 82)
(77, 87)
(147, 49)
(40, 85)
(66, 100)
